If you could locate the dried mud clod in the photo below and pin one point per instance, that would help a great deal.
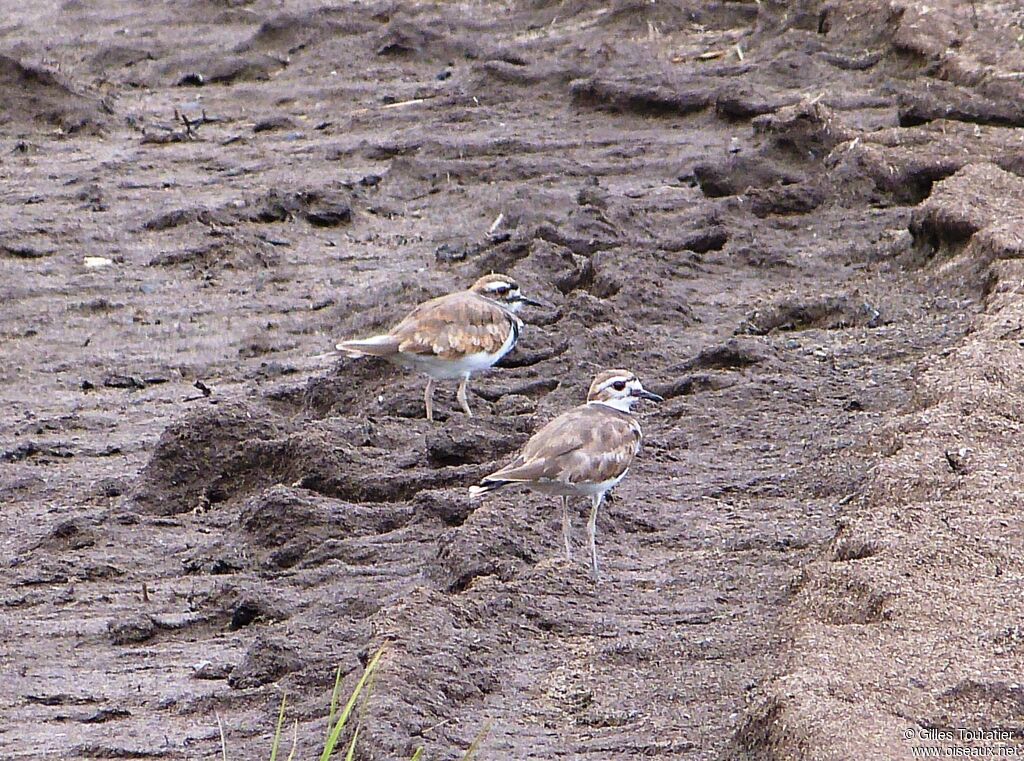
(289, 33)
(641, 99)
(457, 444)
(322, 207)
(71, 534)
(132, 631)
(846, 549)
(265, 661)
(734, 354)
(840, 598)
(32, 95)
(976, 197)
(735, 175)
(973, 700)
(827, 312)
(283, 526)
(694, 383)
(806, 130)
(970, 222)
(221, 68)
(224, 453)
(492, 541)
(711, 236)
(191, 455)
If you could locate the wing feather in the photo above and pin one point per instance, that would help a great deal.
(584, 445)
(453, 326)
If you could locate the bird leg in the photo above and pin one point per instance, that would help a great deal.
(566, 529)
(428, 399)
(592, 535)
(461, 396)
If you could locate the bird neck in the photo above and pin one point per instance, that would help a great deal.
(622, 404)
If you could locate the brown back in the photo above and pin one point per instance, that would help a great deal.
(588, 444)
(455, 325)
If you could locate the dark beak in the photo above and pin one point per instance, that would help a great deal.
(648, 395)
(531, 302)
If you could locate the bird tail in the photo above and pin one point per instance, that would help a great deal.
(486, 487)
(377, 346)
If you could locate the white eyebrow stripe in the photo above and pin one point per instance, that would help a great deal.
(616, 379)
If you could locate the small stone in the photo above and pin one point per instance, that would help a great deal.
(95, 262)
(131, 631)
(212, 671)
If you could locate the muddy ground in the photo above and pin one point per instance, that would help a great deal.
(798, 221)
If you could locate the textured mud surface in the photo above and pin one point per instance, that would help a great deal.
(799, 222)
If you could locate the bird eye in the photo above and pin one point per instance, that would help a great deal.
(502, 289)
(619, 385)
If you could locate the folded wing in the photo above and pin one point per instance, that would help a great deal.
(454, 326)
(584, 445)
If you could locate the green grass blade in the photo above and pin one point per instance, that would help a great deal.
(371, 682)
(334, 703)
(332, 740)
(352, 746)
(223, 739)
(295, 741)
(477, 741)
(418, 754)
(277, 733)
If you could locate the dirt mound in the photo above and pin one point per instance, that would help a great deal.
(197, 452)
(290, 33)
(222, 454)
(320, 208)
(30, 95)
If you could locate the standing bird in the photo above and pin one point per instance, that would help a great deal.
(584, 452)
(452, 336)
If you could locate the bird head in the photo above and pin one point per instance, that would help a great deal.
(620, 389)
(504, 290)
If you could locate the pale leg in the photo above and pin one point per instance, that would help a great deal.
(461, 395)
(566, 529)
(428, 399)
(592, 535)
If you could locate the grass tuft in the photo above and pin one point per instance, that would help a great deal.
(277, 732)
(342, 720)
(337, 721)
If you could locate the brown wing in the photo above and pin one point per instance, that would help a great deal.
(454, 325)
(585, 445)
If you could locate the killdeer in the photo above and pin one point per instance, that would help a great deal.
(452, 336)
(584, 452)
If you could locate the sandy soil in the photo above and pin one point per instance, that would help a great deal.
(798, 221)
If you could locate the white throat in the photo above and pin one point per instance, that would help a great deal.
(620, 403)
